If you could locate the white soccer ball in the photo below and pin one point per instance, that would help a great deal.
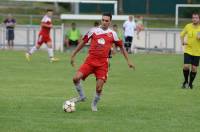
(69, 106)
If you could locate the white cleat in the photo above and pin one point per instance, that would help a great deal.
(77, 99)
(54, 59)
(94, 108)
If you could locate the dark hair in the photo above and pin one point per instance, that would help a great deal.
(73, 24)
(196, 13)
(107, 14)
(49, 10)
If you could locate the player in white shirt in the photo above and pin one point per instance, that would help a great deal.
(129, 27)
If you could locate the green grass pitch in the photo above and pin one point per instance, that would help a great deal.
(148, 99)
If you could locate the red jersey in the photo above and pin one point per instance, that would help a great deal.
(100, 45)
(45, 30)
(101, 42)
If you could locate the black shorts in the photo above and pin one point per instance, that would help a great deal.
(128, 41)
(73, 43)
(10, 34)
(190, 59)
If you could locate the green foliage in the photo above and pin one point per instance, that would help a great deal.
(148, 99)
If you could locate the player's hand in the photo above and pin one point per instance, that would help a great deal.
(131, 66)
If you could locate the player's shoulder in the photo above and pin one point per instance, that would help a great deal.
(46, 19)
(189, 25)
(126, 22)
(96, 30)
(111, 31)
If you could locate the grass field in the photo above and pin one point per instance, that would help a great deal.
(148, 99)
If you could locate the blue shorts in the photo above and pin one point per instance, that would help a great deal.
(10, 34)
(190, 59)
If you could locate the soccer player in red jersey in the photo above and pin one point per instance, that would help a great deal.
(44, 37)
(96, 62)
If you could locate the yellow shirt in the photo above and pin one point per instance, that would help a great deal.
(193, 44)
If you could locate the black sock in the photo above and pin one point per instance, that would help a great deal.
(186, 74)
(192, 77)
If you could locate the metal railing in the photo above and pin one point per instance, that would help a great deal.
(159, 39)
(151, 39)
(26, 36)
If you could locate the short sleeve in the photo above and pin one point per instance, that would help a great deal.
(88, 35)
(117, 41)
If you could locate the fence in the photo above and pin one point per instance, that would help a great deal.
(159, 39)
(26, 37)
(151, 39)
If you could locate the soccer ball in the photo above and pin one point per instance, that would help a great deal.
(69, 106)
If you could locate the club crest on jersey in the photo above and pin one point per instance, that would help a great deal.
(101, 41)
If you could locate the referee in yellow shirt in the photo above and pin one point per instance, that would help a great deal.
(191, 51)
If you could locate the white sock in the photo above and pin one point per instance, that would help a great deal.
(32, 50)
(96, 99)
(50, 52)
(79, 89)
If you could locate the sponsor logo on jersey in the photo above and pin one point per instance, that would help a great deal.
(101, 41)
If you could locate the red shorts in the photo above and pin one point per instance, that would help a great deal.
(97, 67)
(43, 39)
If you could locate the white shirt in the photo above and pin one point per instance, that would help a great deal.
(46, 19)
(129, 27)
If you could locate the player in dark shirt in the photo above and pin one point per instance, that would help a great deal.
(10, 25)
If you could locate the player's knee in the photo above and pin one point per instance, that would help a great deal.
(76, 79)
(194, 69)
(186, 67)
(98, 90)
(37, 46)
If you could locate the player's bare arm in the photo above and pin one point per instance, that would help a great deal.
(182, 40)
(77, 49)
(130, 64)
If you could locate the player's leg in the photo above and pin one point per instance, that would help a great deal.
(101, 76)
(12, 44)
(126, 45)
(12, 38)
(82, 74)
(40, 41)
(99, 87)
(130, 44)
(195, 63)
(66, 43)
(79, 88)
(31, 51)
(51, 52)
(8, 38)
(9, 45)
(186, 69)
(193, 73)
(186, 72)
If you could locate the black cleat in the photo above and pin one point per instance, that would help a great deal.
(184, 85)
(190, 86)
